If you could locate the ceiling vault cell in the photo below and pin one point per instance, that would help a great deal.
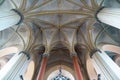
(57, 27)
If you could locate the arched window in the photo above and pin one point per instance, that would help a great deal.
(60, 75)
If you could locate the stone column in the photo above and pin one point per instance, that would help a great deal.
(15, 67)
(76, 67)
(108, 69)
(10, 18)
(110, 16)
(42, 67)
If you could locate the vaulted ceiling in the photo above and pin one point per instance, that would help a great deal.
(58, 27)
(58, 20)
(57, 24)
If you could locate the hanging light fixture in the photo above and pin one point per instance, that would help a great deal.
(60, 76)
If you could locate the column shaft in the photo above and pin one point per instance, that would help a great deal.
(110, 16)
(77, 68)
(8, 19)
(42, 68)
(14, 68)
(109, 69)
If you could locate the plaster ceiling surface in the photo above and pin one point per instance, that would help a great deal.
(53, 22)
(58, 19)
(57, 27)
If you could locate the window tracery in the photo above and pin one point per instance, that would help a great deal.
(60, 76)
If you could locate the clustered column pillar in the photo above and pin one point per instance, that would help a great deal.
(77, 67)
(110, 16)
(10, 18)
(42, 67)
(16, 67)
(109, 70)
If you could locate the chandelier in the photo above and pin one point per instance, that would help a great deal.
(60, 76)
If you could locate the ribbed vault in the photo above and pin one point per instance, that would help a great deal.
(58, 28)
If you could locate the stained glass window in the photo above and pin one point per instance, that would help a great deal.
(60, 76)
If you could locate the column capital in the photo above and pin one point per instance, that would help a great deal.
(20, 14)
(73, 54)
(46, 55)
(96, 13)
(26, 53)
(93, 51)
